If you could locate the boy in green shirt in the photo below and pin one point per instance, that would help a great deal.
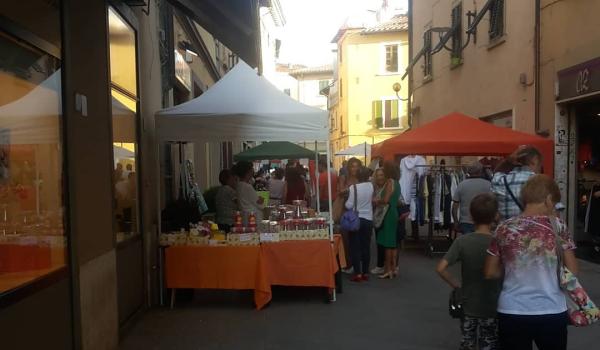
(480, 296)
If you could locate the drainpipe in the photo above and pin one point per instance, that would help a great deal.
(537, 61)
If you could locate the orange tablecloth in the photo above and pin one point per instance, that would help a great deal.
(296, 263)
(289, 263)
(211, 267)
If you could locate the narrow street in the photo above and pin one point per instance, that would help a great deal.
(409, 312)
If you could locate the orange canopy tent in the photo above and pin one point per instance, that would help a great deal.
(459, 135)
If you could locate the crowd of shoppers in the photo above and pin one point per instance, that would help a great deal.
(509, 287)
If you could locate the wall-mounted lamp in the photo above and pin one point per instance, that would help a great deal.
(397, 87)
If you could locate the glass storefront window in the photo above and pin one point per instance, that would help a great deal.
(123, 75)
(32, 235)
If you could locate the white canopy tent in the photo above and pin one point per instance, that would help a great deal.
(244, 106)
(362, 150)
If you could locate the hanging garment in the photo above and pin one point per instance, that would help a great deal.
(190, 189)
(409, 169)
(437, 198)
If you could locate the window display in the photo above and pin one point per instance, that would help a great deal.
(32, 235)
(123, 75)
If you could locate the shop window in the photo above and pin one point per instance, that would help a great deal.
(391, 58)
(427, 56)
(456, 54)
(32, 235)
(502, 119)
(123, 73)
(496, 20)
(386, 114)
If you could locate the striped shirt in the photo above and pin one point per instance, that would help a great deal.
(515, 179)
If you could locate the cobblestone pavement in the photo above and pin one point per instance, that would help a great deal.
(406, 313)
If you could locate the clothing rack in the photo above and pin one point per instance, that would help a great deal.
(439, 170)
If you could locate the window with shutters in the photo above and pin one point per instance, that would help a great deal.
(386, 114)
(496, 20)
(427, 56)
(391, 58)
(456, 54)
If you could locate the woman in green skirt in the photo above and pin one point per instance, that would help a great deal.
(387, 233)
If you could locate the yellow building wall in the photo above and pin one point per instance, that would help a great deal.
(361, 80)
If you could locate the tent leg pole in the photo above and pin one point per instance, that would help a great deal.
(329, 197)
(159, 220)
(316, 182)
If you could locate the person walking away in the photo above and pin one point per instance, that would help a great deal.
(379, 186)
(480, 295)
(294, 187)
(511, 174)
(360, 241)
(387, 235)
(532, 307)
(248, 199)
(276, 185)
(324, 185)
(344, 182)
(226, 200)
(464, 194)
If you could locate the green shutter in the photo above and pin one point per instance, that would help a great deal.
(376, 108)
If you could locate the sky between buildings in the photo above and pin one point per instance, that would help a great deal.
(311, 24)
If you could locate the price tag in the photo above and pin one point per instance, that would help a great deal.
(269, 237)
(245, 237)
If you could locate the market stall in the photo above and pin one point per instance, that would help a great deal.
(254, 267)
(453, 135)
(243, 106)
(459, 135)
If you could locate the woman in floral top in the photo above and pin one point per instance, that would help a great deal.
(531, 307)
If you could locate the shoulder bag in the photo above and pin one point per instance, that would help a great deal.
(455, 304)
(380, 211)
(350, 222)
(581, 309)
(511, 194)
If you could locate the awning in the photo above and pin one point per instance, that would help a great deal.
(233, 22)
(360, 150)
(459, 135)
(275, 150)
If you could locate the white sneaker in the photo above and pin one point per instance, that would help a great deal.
(377, 270)
(349, 271)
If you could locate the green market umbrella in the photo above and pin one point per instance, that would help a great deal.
(275, 150)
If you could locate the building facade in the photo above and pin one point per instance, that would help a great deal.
(311, 84)
(81, 82)
(488, 74)
(362, 103)
(570, 104)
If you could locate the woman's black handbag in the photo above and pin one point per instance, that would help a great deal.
(455, 306)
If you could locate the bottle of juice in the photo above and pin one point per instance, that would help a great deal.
(238, 220)
(252, 220)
